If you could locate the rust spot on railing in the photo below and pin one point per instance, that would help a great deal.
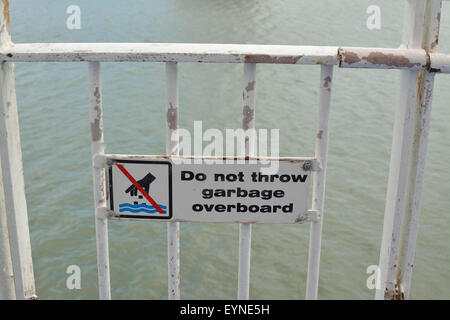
(399, 294)
(6, 15)
(301, 219)
(436, 39)
(350, 57)
(326, 81)
(390, 60)
(419, 85)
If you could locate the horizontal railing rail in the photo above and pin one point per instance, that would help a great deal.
(345, 57)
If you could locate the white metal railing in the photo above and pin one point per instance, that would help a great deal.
(416, 56)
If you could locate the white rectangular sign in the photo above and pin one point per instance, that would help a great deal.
(238, 191)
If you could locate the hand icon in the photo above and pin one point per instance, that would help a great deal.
(144, 183)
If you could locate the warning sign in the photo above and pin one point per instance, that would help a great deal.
(239, 192)
(141, 189)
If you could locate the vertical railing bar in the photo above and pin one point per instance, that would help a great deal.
(419, 151)
(397, 183)
(321, 152)
(98, 148)
(411, 219)
(400, 197)
(12, 173)
(173, 228)
(245, 242)
(245, 229)
(399, 163)
(7, 291)
(7, 288)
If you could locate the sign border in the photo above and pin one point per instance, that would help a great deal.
(111, 194)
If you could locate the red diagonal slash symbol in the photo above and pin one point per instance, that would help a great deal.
(138, 186)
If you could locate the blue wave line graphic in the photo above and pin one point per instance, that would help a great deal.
(136, 208)
(142, 205)
(137, 211)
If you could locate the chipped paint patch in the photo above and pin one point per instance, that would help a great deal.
(248, 114)
(250, 86)
(265, 58)
(172, 117)
(319, 134)
(96, 129)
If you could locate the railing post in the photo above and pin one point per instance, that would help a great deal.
(408, 154)
(98, 148)
(321, 152)
(245, 229)
(12, 172)
(173, 228)
(419, 151)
